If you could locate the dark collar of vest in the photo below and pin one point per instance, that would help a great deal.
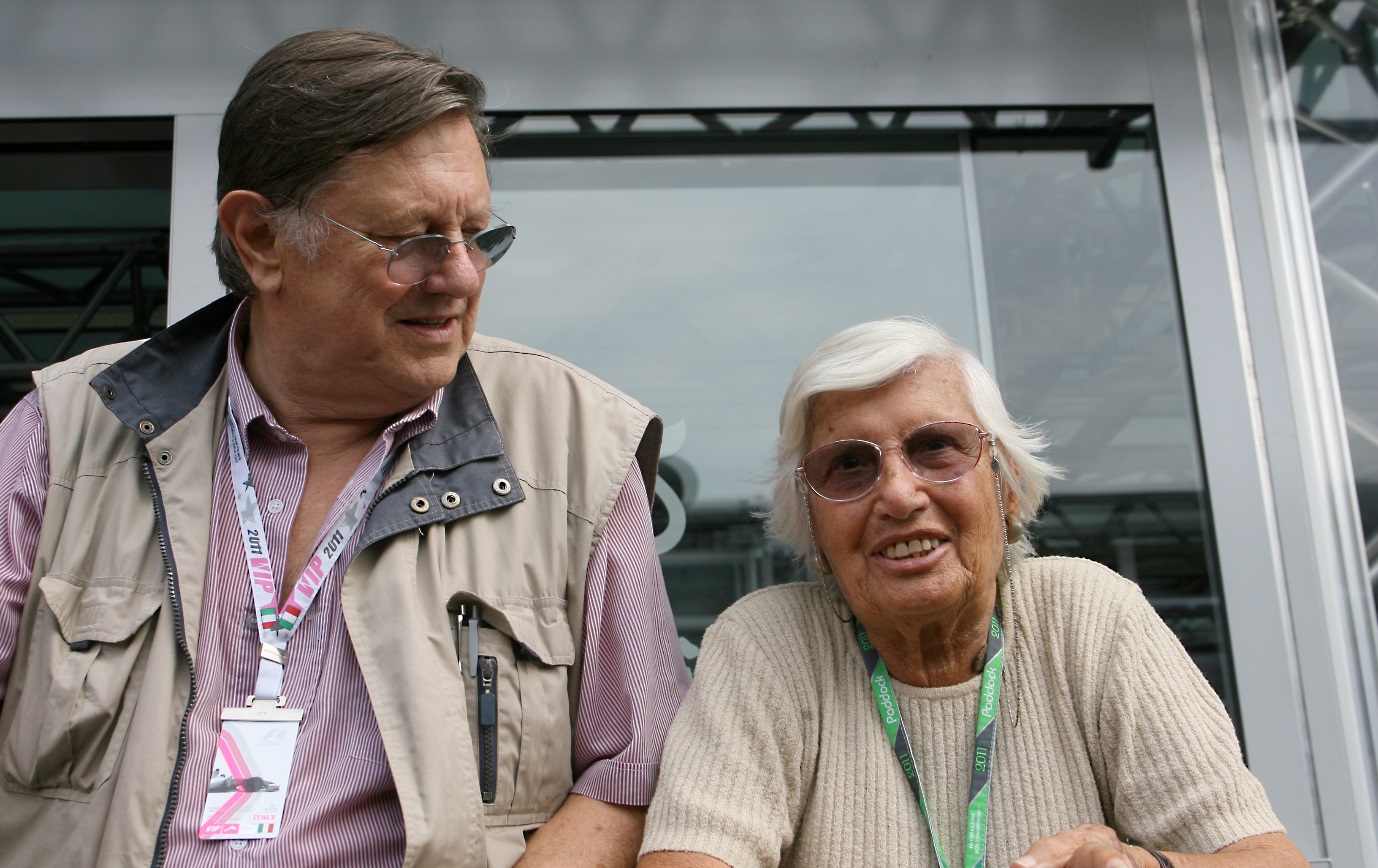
(459, 465)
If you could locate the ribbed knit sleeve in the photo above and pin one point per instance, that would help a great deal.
(1172, 764)
(735, 770)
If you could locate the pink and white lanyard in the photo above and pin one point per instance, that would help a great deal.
(276, 628)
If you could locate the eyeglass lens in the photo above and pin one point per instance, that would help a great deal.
(938, 452)
(419, 257)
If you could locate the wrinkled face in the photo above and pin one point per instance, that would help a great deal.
(909, 551)
(338, 320)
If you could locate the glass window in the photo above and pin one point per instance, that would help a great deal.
(1330, 52)
(84, 215)
(693, 261)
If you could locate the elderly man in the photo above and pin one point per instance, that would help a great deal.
(318, 574)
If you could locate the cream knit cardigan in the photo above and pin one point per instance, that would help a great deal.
(778, 756)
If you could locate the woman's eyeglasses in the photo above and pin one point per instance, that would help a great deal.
(847, 469)
(421, 256)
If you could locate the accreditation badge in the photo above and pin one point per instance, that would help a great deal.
(253, 765)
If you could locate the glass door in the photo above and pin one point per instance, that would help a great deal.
(693, 259)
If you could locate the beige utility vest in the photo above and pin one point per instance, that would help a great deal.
(103, 672)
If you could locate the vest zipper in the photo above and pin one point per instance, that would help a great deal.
(382, 493)
(159, 849)
(377, 499)
(488, 728)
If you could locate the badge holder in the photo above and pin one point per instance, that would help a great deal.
(253, 766)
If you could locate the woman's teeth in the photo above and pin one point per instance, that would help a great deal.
(913, 547)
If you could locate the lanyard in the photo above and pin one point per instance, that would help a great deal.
(988, 707)
(276, 628)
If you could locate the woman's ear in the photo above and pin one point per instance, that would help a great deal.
(1010, 491)
(254, 237)
(1012, 498)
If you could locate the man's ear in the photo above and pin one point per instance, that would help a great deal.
(253, 236)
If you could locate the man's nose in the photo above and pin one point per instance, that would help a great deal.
(457, 275)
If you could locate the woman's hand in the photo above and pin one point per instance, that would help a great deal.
(1087, 846)
(1094, 846)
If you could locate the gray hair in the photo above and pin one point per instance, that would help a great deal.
(870, 355)
(312, 100)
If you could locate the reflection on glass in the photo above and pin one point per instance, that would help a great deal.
(713, 277)
(1335, 89)
(84, 213)
(697, 283)
(1088, 337)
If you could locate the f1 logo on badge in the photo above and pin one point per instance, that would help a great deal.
(223, 783)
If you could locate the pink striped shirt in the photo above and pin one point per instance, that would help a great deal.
(341, 805)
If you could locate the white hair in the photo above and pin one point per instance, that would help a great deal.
(299, 227)
(870, 355)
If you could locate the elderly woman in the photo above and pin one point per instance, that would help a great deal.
(941, 698)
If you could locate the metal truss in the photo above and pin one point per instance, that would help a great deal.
(1100, 132)
(1303, 25)
(62, 292)
(74, 272)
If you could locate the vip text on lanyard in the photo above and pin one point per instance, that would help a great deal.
(276, 628)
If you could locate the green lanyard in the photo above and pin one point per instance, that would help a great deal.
(978, 807)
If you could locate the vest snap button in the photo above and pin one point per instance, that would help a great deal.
(146, 427)
(502, 486)
(420, 504)
(449, 500)
(164, 458)
(109, 392)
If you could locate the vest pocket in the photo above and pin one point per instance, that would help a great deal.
(531, 648)
(73, 689)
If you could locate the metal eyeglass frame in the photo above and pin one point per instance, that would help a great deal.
(471, 245)
(981, 438)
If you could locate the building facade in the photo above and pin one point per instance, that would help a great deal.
(1153, 219)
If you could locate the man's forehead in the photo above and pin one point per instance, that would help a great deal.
(441, 160)
(449, 137)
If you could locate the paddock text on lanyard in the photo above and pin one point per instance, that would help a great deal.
(983, 759)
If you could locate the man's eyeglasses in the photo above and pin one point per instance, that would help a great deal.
(847, 469)
(421, 256)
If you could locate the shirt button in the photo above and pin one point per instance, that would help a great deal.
(238, 844)
(275, 506)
